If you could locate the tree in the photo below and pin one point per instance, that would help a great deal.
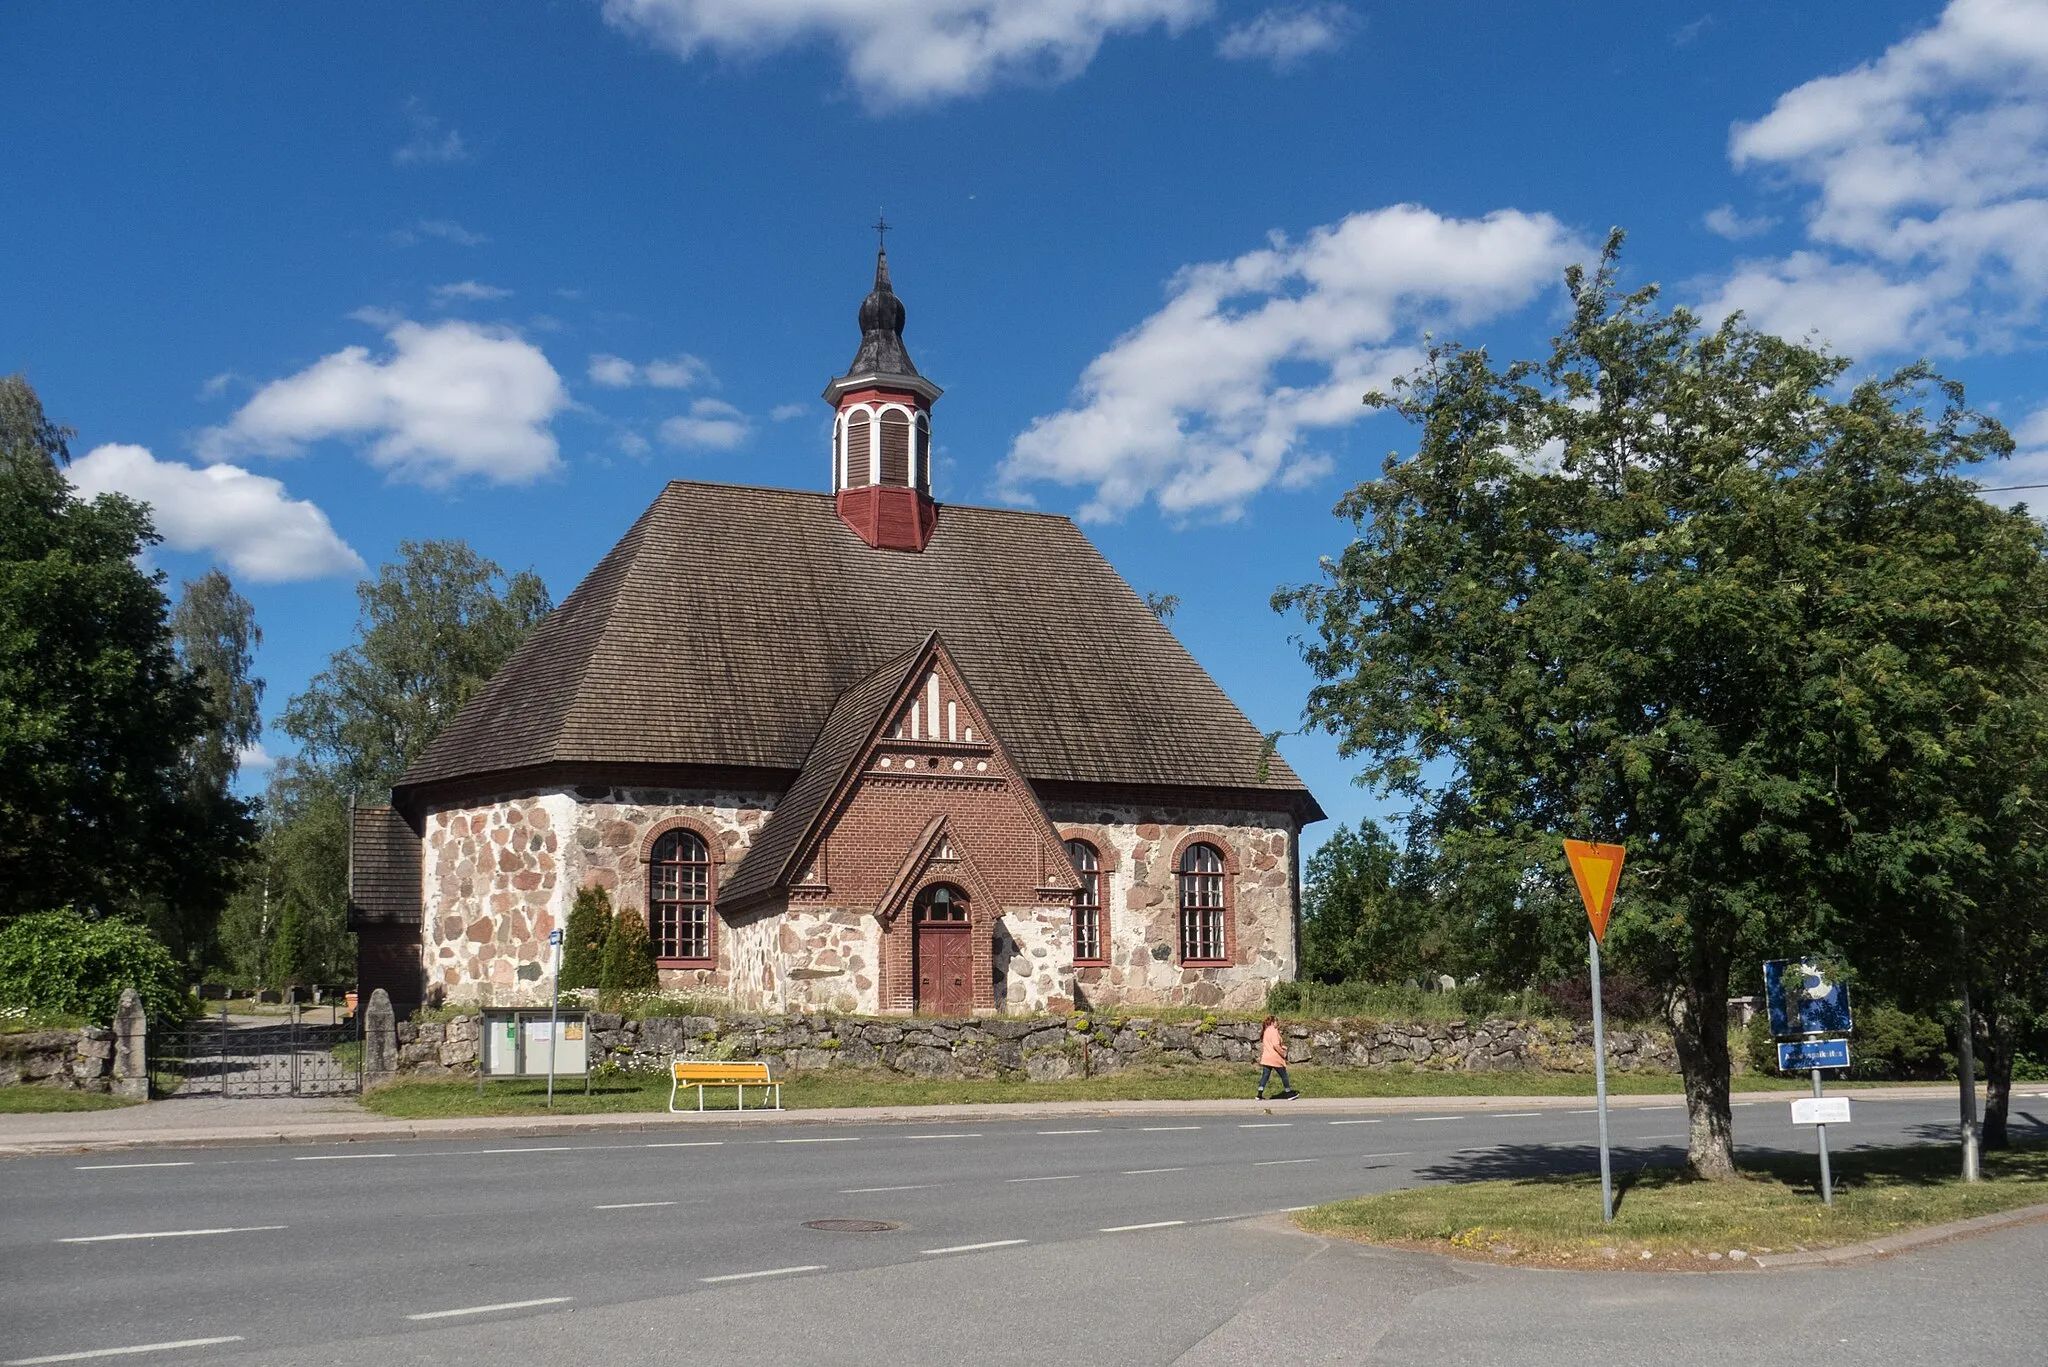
(583, 943)
(96, 713)
(1619, 596)
(217, 636)
(1361, 921)
(288, 966)
(431, 631)
(628, 958)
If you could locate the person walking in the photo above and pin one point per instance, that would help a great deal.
(1273, 1059)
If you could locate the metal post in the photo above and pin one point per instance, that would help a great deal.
(1966, 1069)
(220, 1050)
(295, 1047)
(1827, 1178)
(555, 1017)
(1600, 1086)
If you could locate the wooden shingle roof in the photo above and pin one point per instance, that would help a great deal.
(726, 623)
(383, 869)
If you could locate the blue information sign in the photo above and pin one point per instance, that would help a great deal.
(1808, 1054)
(1802, 1002)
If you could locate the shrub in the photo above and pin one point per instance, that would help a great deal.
(628, 958)
(288, 947)
(590, 923)
(1624, 998)
(1758, 1047)
(1898, 1045)
(60, 962)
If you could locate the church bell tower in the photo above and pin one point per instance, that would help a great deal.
(882, 429)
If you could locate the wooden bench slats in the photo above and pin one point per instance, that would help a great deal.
(739, 1076)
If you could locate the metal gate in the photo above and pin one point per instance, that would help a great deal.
(215, 1057)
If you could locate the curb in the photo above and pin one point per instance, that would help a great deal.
(370, 1130)
(1899, 1243)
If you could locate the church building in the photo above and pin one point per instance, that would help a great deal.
(858, 751)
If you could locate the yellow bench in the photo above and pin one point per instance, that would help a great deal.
(738, 1076)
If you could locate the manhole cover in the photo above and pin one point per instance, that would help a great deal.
(850, 1226)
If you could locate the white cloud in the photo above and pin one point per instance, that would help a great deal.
(1211, 398)
(2027, 468)
(1723, 221)
(452, 399)
(1927, 170)
(1285, 36)
(1854, 307)
(784, 412)
(909, 52)
(242, 518)
(254, 759)
(677, 372)
(709, 426)
(469, 291)
(430, 141)
(446, 229)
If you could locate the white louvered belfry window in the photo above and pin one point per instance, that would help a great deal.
(679, 896)
(1087, 902)
(1203, 916)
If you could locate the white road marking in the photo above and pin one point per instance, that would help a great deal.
(1594, 1111)
(633, 1205)
(122, 1352)
(1156, 1224)
(333, 1157)
(109, 1167)
(1267, 1125)
(1144, 1172)
(1663, 1136)
(683, 1144)
(942, 1136)
(1289, 1210)
(771, 1272)
(165, 1234)
(859, 1191)
(487, 1309)
(976, 1248)
(1438, 1117)
(1513, 1115)
(1660, 1108)
(552, 1148)
(823, 1139)
(1402, 1153)
(1070, 1177)
(1278, 1162)
(1354, 1122)
(1070, 1131)
(1162, 1129)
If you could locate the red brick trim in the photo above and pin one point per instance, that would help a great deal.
(714, 852)
(1105, 864)
(1221, 844)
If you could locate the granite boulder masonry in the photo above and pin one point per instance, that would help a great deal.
(1050, 1048)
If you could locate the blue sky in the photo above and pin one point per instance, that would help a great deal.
(314, 280)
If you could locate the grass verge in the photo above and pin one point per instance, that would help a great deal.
(21, 1100)
(1663, 1219)
(850, 1087)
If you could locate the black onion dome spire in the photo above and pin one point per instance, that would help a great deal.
(881, 328)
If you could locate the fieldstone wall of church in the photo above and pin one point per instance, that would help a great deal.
(1141, 902)
(1034, 960)
(499, 876)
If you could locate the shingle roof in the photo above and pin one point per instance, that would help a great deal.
(852, 722)
(383, 869)
(724, 625)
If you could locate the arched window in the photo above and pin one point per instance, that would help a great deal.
(1204, 919)
(895, 448)
(1088, 947)
(942, 905)
(858, 470)
(924, 453)
(679, 897)
(839, 453)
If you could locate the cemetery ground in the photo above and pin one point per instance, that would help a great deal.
(1664, 1220)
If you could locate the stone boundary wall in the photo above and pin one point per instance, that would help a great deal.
(74, 1060)
(1047, 1048)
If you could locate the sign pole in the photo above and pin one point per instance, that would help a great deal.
(1827, 1179)
(1600, 1085)
(554, 1013)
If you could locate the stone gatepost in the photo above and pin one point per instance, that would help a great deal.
(131, 1047)
(380, 1040)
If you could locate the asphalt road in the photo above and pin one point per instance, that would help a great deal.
(1137, 1240)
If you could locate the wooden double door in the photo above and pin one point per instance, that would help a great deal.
(943, 946)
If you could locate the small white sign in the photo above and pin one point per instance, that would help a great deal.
(1820, 1110)
(544, 1030)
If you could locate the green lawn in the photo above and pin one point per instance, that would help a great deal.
(23, 1099)
(1680, 1222)
(811, 1091)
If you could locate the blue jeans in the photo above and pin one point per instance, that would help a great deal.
(1266, 1070)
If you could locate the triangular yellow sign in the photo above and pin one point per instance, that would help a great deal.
(1597, 871)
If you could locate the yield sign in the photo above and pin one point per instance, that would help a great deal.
(1597, 871)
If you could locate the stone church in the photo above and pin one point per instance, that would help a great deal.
(860, 751)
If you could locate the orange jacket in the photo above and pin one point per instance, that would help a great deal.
(1272, 1049)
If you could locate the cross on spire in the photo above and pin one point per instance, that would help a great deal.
(881, 226)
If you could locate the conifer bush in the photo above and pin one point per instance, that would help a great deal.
(583, 944)
(628, 958)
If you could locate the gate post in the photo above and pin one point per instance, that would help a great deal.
(380, 1041)
(131, 1047)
